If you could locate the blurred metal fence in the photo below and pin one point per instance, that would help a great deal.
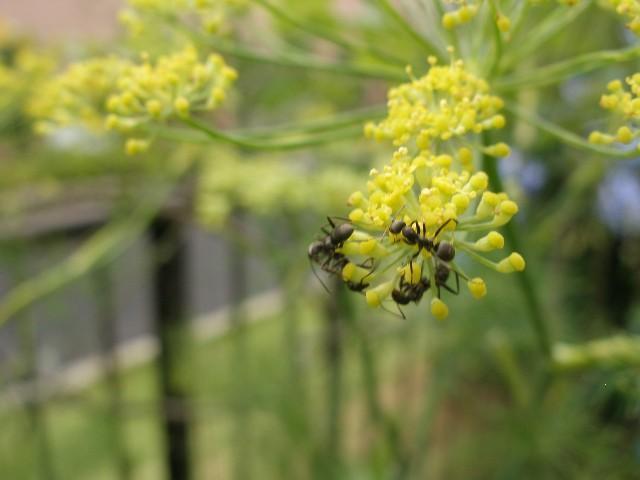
(181, 284)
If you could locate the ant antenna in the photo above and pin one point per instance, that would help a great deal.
(315, 274)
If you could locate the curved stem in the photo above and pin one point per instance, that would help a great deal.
(304, 62)
(527, 285)
(545, 30)
(566, 136)
(333, 122)
(328, 35)
(556, 72)
(407, 28)
(258, 144)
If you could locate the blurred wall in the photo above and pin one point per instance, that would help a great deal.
(63, 19)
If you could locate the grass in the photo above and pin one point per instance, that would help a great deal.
(260, 405)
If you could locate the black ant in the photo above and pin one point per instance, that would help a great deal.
(416, 234)
(323, 252)
(361, 285)
(442, 275)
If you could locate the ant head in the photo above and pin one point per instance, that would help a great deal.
(397, 226)
(445, 251)
(341, 233)
(315, 248)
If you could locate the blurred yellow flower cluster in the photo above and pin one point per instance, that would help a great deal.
(210, 14)
(429, 202)
(78, 95)
(120, 95)
(23, 69)
(267, 185)
(631, 10)
(173, 86)
(624, 101)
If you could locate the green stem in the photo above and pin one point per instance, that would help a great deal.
(334, 122)
(257, 144)
(400, 21)
(328, 35)
(556, 72)
(304, 62)
(566, 136)
(497, 41)
(383, 421)
(525, 281)
(544, 31)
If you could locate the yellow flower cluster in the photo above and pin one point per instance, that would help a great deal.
(268, 185)
(22, 76)
(465, 10)
(211, 14)
(117, 94)
(448, 104)
(631, 10)
(417, 213)
(173, 86)
(625, 103)
(78, 95)
(420, 210)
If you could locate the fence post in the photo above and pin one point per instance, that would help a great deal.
(170, 287)
(106, 317)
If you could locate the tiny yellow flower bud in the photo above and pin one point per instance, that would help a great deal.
(498, 150)
(491, 241)
(624, 135)
(479, 181)
(439, 309)
(356, 198)
(154, 107)
(135, 146)
(182, 105)
(513, 263)
(503, 22)
(356, 215)
(375, 296)
(509, 207)
(477, 287)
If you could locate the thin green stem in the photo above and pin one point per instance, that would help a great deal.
(556, 72)
(304, 62)
(257, 144)
(545, 30)
(333, 122)
(566, 136)
(497, 41)
(328, 35)
(406, 27)
(525, 281)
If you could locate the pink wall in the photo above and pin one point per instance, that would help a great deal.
(63, 19)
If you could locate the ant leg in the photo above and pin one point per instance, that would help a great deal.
(365, 265)
(444, 225)
(457, 289)
(394, 313)
(315, 274)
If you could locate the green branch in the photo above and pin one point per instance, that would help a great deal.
(304, 62)
(545, 30)
(556, 72)
(328, 35)
(566, 136)
(104, 246)
(525, 281)
(259, 144)
(406, 27)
